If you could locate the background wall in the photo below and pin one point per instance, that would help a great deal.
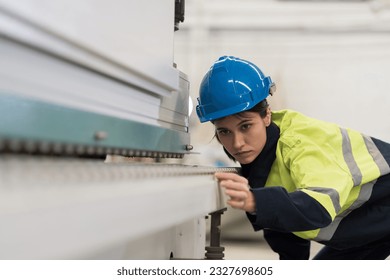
(329, 59)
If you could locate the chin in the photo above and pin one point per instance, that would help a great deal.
(245, 161)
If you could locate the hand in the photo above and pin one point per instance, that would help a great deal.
(238, 190)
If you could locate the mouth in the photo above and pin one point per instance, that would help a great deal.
(243, 153)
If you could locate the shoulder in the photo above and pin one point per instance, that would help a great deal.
(296, 128)
(287, 118)
(293, 121)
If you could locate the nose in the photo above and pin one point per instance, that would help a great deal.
(238, 141)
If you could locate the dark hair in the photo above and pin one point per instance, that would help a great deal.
(260, 108)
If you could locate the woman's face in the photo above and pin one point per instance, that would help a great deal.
(243, 135)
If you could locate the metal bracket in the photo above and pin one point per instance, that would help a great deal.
(215, 251)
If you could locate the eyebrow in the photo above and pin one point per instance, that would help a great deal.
(240, 123)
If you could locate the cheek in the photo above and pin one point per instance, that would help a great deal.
(226, 143)
(261, 144)
(259, 141)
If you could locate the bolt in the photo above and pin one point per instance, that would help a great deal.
(100, 135)
(189, 147)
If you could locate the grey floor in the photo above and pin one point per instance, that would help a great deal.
(242, 243)
(252, 250)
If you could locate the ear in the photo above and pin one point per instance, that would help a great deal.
(268, 119)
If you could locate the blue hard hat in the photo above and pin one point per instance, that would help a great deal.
(231, 85)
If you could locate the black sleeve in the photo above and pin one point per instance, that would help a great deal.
(288, 245)
(276, 209)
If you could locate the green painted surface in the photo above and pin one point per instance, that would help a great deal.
(27, 119)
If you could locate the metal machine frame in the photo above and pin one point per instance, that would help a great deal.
(79, 119)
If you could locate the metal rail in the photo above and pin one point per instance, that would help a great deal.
(58, 207)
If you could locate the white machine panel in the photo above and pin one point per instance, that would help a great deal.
(136, 36)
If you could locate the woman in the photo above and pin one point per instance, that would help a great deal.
(301, 179)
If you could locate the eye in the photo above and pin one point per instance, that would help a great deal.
(223, 132)
(246, 126)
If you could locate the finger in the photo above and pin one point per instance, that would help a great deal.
(230, 176)
(236, 204)
(236, 195)
(228, 184)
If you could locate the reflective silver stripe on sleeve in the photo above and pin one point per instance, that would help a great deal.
(332, 193)
(327, 233)
(376, 155)
(348, 157)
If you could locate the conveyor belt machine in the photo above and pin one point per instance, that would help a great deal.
(91, 77)
(80, 80)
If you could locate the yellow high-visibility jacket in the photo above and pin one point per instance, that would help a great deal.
(318, 176)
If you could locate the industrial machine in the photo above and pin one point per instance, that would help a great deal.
(94, 124)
